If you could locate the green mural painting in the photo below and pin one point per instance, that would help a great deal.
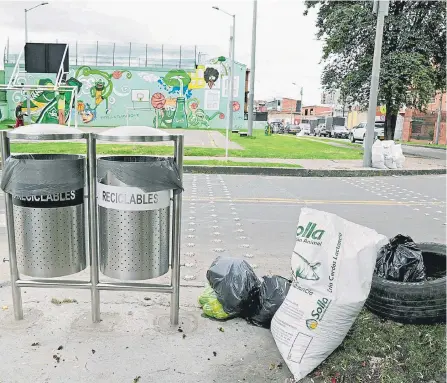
(100, 91)
(196, 98)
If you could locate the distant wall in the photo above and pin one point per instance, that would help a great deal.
(196, 98)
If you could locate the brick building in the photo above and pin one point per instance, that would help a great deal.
(286, 110)
(317, 110)
(421, 126)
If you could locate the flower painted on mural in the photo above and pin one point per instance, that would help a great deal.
(158, 101)
(236, 106)
(117, 74)
(194, 105)
(221, 116)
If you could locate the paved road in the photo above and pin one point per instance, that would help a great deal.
(255, 217)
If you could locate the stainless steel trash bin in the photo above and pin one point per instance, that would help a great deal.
(134, 215)
(48, 213)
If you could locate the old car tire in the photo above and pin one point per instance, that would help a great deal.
(352, 139)
(415, 303)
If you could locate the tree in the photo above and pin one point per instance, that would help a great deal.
(413, 63)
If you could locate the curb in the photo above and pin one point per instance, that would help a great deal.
(299, 172)
(422, 146)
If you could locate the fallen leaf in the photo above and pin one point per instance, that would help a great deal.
(57, 358)
(4, 307)
(214, 353)
(35, 344)
(93, 351)
(179, 330)
(184, 336)
(60, 348)
(221, 329)
(136, 379)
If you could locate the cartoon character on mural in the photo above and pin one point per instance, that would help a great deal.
(49, 99)
(100, 89)
(211, 75)
(197, 118)
(222, 62)
(164, 109)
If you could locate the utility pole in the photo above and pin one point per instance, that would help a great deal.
(231, 79)
(438, 121)
(251, 95)
(381, 8)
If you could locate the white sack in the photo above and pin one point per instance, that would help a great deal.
(390, 163)
(398, 156)
(378, 158)
(332, 266)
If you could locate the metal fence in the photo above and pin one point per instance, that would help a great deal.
(129, 55)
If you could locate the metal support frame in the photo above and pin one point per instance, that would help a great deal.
(95, 285)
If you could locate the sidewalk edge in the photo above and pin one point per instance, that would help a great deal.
(301, 172)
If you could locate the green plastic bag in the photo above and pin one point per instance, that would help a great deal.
(210, 305)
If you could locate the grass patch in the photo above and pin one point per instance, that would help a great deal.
(290, 147)
(424, 144)
(5, 124)
(240, 163)
(258, 146)
(379, 351)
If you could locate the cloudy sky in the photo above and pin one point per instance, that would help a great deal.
(287, 50)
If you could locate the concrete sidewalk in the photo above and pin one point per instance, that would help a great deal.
(411, 163)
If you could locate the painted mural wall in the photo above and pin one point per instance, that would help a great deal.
(108, 96)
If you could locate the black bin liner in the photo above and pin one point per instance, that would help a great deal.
(149, 173)
(273, 291)
(400, 260)
(236, 286)
(28, 175)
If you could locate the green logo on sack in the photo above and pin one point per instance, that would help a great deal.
(318, 313)
(310, 231)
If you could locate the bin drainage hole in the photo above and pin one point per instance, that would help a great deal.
(193, 236)
(192, 217)
(236, 219)
(218, 250)
(234, 212)
(189, 264)
(232, 208)
(215, 221)
(190, 254)
(248, 255)
(216, 233)
(238, 224)
(242, 237)
(190, 244)
(240, 230)
(215, 227)
(191, 229)
(254, 265)
(191, 223)
(213, 215)
(245, 246)
(189, 277)
(217, 240)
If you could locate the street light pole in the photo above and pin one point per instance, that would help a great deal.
(26, 18)
(381, 8)
(251, 95)
(230, 78)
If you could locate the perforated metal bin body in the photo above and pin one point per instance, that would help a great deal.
(50, 228)
(133, 244)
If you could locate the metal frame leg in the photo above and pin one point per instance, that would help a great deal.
(93, 227)
(14, 271)
(176, 236)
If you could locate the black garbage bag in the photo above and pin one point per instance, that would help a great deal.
(400, 260)
(273, 291)
(236, 286)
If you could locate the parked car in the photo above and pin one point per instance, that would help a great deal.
(292, 129)
(339, 132)
(359, 131)
(277, 127)
(321, 131)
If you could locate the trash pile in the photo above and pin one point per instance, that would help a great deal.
(236, 291)
(387, 155)
(400, 260)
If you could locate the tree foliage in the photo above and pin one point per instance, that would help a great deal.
(413, 64)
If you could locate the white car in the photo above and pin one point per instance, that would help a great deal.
(359, 132)
(305, 128)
